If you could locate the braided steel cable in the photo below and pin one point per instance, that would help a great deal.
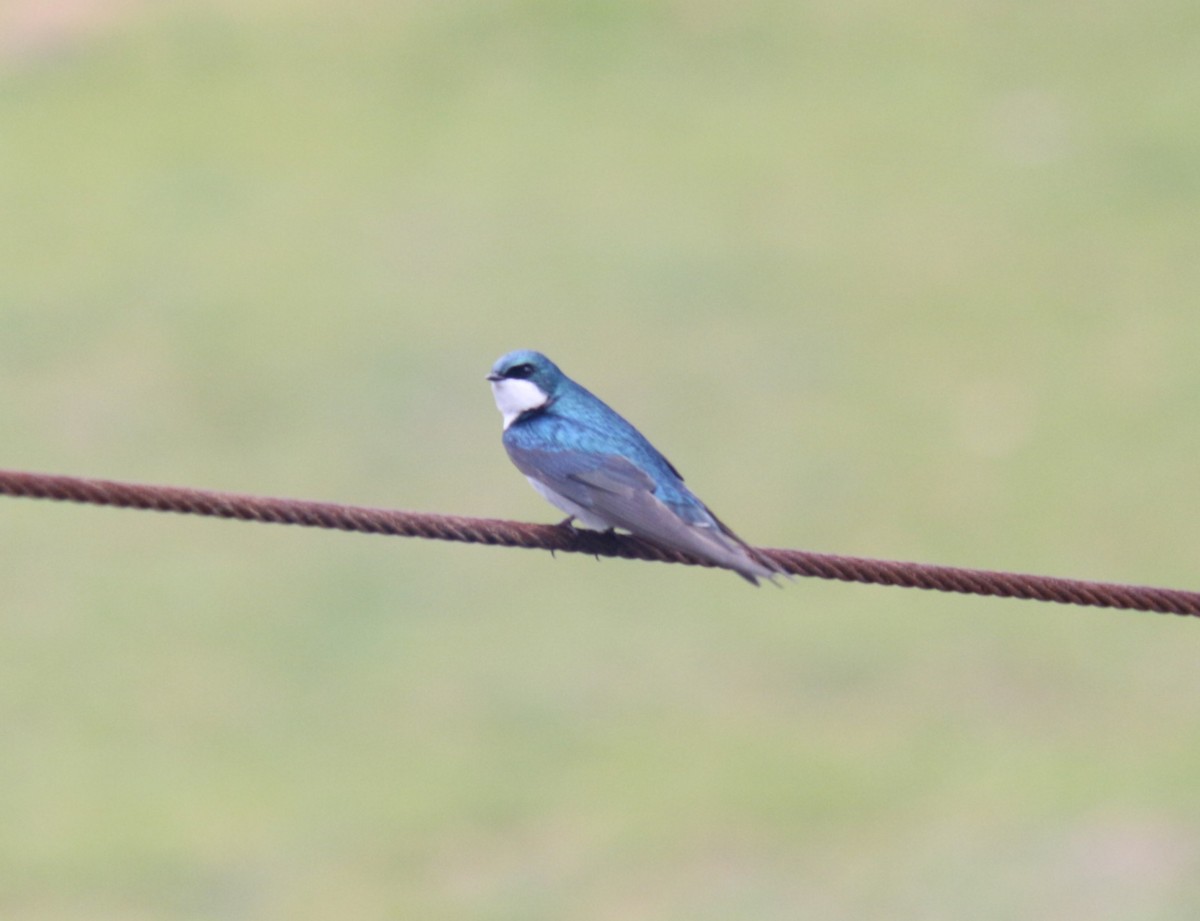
(555, 538)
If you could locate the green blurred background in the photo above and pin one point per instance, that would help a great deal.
(902, 280)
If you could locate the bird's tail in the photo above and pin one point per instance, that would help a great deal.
(751, 563)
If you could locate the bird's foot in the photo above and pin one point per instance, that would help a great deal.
(565, 526)
(610, 533)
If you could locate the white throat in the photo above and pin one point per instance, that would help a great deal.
(514, 396)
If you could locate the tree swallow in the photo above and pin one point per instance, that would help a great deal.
(588, 461)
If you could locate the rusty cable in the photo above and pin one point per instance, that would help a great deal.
(557, 538)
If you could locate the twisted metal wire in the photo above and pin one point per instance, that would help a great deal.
(556, 538)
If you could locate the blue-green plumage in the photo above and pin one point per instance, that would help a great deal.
(583, 457)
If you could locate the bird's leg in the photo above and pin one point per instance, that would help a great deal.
(610, 533)
(567, 526)
(564, 525)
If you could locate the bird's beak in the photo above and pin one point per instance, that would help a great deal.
(494, 377)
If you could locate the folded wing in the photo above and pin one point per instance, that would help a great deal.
(616, 490)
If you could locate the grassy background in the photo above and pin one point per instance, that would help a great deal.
(910, 281)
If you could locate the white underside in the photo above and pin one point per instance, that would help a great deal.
(514, 397)
(581, 515)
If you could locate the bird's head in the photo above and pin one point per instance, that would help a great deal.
(523, 381)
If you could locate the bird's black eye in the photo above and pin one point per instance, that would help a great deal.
(520, 371)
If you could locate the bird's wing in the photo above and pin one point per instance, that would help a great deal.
(610, 485)
(616, 490)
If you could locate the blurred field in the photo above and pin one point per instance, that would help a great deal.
(908, 281)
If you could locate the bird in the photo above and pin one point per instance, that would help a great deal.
(587, 460)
